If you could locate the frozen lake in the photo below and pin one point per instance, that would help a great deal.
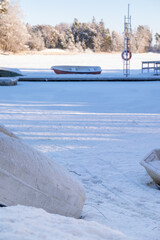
(99, 132)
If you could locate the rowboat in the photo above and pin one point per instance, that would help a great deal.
(27, 177)
(152, 165)
(77, 69)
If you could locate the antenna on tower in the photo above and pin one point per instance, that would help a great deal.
(126, 54)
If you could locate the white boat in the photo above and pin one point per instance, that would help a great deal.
(27, 177)
(152, 165)
(76, 69)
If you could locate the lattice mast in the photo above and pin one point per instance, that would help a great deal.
(126, 54)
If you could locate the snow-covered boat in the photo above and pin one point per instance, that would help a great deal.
(77, 69)
(9, 72)
(27, 177)
(152, 165)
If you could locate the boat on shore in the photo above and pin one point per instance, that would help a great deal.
(76, 69)
(9, 72)
(152, 165)
(9, 76)
(27, 177)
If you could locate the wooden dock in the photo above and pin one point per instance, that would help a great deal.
(102, 78)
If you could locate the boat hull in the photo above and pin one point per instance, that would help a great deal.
(27, 177)
(10, 72)
(152, 165)
(76, 69)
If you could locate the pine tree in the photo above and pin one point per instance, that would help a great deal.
(97, 42)
(61, 43)
(106, 43)
(69, 38)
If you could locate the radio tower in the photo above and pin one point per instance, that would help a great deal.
(126, 54)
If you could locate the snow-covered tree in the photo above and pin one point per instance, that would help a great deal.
(105, 37)
(75, 29)
(106, 43)
(4, 6)
(134, 43)
(35, 41)
(13, 32)
(48, 33)
(61, 42)
(157, 38)
(117, 42)
(97, 41)
(102, 40)
(69, 38)
(79, 47)
(143, 38)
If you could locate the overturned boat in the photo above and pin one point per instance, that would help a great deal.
(27, 177)
(9, 76)
(76, 69)
(152, 165)
(10, 72)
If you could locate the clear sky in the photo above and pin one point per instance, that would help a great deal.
(143, 12)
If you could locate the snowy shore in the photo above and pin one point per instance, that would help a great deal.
(36, 67)
(99, 132)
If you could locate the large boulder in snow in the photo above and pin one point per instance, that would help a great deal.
(28, 177)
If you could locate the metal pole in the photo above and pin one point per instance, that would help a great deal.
(126, 54)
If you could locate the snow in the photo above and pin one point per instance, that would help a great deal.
(15, 70)
(39, 66)
(99, 132)
(32, 223)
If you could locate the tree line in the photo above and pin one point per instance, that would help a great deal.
(17, 36)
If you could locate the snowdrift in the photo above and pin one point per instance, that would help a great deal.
(33, 223)
(27, 177)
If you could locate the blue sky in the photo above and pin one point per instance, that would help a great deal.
(143, 12)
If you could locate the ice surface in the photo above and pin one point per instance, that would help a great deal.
(99, 132)
(38, 66)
